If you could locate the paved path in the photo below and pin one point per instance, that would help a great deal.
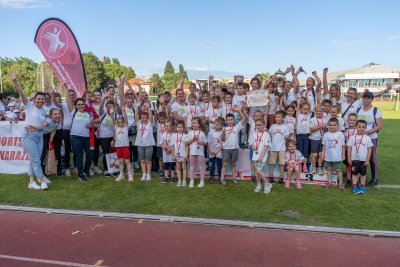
(33, 239)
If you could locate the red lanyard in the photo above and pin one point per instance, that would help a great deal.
(162, 128)
(290, 156)
(168, 139)
(359, 144)
(193, 113)
(258, 140)
(226, 109)
(321, 132)
(143, 129)
(348, 133)
(179, 141)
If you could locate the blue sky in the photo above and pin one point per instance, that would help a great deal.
(247, 36)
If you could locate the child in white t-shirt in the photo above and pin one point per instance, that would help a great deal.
(303, 117)
(193, 110)
(317, 129)
(196, 140)
(359, 153)
(180, 152)
(294, 160)
(227, 106)
(213, 112)
(160, 128)
(121, 143)
(333, 151)
(279, 135)
(260, 143)
(335, 110)
(349, 132)
(252, 123)
(145, 140)
(230, 144)
(290, 121)
(215, 149)
(166, 146)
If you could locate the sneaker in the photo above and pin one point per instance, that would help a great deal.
(107, 174)
(212, 180)
(305, 170)
(314, 171)
(44, 186)
(267, 188)
(372, 183)
(67, 173)
(362, 190)
(47, 180)
(355, 190)
(120, 178)
(271, 180)
(235, 181)
(82, 178)
(287, 184)
(298, 185)
(348, 183)
(191, 184)
(325, 170)
(91, 173)
(280, 180)
(184, 183)
(87, 175)
(143, 177)
(201, 184)
(258, 188)
(161, 173)
(75, 170)
(130, 177)
(179, 184)
(97, 170)
(173, 180)
(223, 182)
(148, 177)
(320, 171)
(136, 165)
(341, 187)
(34, 185)
(165, 180)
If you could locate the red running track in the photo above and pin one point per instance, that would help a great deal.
(117, 242)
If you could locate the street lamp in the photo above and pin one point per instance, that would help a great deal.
(208, 46)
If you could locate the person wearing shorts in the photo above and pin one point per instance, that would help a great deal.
(279, 134)
(294, 160)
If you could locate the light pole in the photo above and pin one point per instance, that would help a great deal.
(208, 46)
(1, 80)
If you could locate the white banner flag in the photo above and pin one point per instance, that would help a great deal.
(13, 158)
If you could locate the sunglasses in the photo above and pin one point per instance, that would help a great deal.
(129, 94)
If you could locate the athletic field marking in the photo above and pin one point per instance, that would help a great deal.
(140, 221)
(63, 263)
(388, 186)
(98, 263)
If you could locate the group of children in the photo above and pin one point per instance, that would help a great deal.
(216, 132)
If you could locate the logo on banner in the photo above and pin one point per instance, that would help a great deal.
(53, 40)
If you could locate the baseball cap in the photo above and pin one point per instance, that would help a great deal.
(12, 104)
(368, 94)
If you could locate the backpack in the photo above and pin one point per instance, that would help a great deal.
(374, 112)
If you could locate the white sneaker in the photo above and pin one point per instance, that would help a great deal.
(184, 183)
(201, 184)
(75, 170)
(325, 170)
(179, 184)
(91, 173)
(130, 177)
(43, 186)
(47, 180)
(191, 184)
(67, 173)
(143, 177)
(320, 171)
(120, 178)
(258, 188)
(33, 185)
(148, 177)
(97, 170)
(267, 188)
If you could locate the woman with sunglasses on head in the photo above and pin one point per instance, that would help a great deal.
(32, 139)
(333, 92)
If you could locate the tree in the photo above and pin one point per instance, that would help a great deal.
(26, 69)
(95, 73)
(106, 60)
(265, 76)
(115, 61)
(157, 85)
(114, 71)
(170, 78)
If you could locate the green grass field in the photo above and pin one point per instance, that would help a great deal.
(313, 205)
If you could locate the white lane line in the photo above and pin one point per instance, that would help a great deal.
(63, 263)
